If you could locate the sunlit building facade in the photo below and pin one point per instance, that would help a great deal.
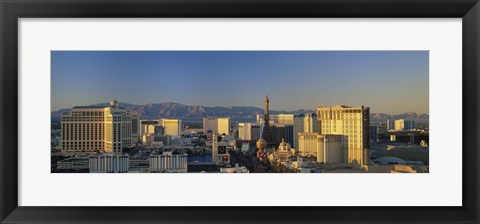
(404, 125)
(154, 133)
(304, 123)
(326, 148)
(352, 124)
(250, 131)
(95, 129)
(220, 125)
(277, 118)
(308, 143)
(172, 127)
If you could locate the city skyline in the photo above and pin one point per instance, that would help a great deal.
(391, 82)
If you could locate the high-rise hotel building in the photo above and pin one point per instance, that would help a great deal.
(277, 118)
(95, 129)
(304, 123)
(250, 132)
(172, 127)
(352, 124)
(220, 125)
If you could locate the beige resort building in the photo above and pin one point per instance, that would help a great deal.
(98, 129)
(352, 124)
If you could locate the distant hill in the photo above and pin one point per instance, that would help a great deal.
(375, 117)
(177, 110)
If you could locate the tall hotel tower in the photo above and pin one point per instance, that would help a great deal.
(95, 129)
(352, 124)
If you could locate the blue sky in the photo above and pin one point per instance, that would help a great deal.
(387, 81)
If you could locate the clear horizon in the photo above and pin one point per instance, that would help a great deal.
(390, 82)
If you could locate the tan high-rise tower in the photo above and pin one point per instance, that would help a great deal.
(353, 124)
(93, 129)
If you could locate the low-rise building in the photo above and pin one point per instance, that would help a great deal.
(220, 151)
(139, 164)
(73, 164)
(326, 148)
(109, 163)
(168, 163)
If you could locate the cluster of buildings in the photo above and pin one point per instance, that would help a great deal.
(399, 132)
(88, 130)
(166, 162)
(400, 125)
(281, 126)
(101, 134)
(336, 139)
(336, 136)
(159, 132)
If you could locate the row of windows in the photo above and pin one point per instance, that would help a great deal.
(82, 146)
(82, 137)
(79, 129)
(80, 150)
(82, 125)
(87, 113)
(79, 144)
(95, 131)
(339, 113)
(77, 119)
(120, 118)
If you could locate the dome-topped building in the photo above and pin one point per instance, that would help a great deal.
(261, 146)
(114, 103)
(283, 145)
(284, 150)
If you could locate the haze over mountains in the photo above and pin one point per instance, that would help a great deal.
(177, 110)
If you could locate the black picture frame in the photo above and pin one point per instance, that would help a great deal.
(12, 10)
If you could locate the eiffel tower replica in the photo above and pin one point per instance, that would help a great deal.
(266, 135)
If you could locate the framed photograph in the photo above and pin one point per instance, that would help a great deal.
(265, 111)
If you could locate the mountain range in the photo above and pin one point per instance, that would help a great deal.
(177, 110)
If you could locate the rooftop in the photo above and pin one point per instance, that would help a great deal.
(87, 107)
